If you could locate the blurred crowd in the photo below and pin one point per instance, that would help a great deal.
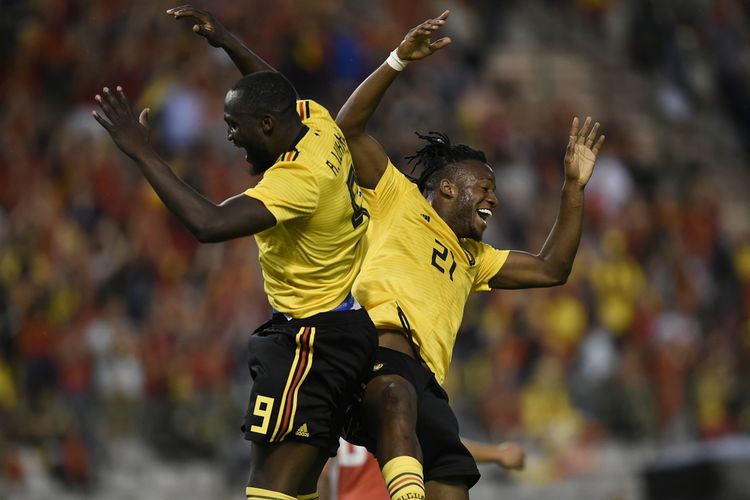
(115, 323)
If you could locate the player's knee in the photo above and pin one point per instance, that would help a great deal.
(397, 402)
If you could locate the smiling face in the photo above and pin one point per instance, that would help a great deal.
(249, 131)
(471, 199)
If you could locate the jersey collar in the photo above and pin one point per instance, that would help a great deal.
(291, 153)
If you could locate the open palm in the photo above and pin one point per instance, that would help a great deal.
(580, 155)
(206, 24)
(417, 44)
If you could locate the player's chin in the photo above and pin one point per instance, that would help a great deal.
(477, 228)
(472, 232)
(477, 234)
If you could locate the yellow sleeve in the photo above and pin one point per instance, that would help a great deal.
(288, 190)
(489, 262)
(386, 193)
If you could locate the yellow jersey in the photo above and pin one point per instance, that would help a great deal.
(311, 256)
(417, 274)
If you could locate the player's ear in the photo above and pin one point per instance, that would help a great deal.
(267, 124)
(448, 188)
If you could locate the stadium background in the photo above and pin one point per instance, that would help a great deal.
(122, 369)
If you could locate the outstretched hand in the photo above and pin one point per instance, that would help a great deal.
(580, 155)
(511, 456)
(206, 24)
(130, 134)
(417, 45)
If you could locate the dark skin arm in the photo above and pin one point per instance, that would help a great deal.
(218, 35)
(509, 456)
(235, 217)
(370, 161)
(552, 265)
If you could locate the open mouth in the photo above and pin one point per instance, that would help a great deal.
(484, 214)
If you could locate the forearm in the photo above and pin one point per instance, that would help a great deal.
(482, 453)
(193, 209)
(361, 105)
(507, 455)
(560, 249)
(243, 58)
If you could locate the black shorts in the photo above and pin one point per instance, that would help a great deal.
(305, 374)
(444, 455)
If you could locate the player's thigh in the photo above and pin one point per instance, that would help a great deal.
(286, 467)
(384, 420)
(446, 489)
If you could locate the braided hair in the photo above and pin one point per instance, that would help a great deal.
(439, 156)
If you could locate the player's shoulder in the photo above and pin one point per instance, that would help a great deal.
(393, 176)
(308, 109)
(472, 244)
(482, 251)
(320, 136)
(474, 249)
(322, 131)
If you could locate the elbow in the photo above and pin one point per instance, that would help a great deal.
(557, 275)
(203, 237)
(202, 234)
(204, 231)
(350, 126)
(346, 128)
(561, 277)
(211, 234)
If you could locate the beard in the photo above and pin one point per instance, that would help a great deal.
(467, 214)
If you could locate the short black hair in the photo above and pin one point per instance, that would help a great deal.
(439, 156)
(266, 92)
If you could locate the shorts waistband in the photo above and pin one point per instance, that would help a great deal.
(348, 304)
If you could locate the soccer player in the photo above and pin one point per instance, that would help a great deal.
(308, 220)
(424, 259)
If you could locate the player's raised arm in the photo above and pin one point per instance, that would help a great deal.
(368, 156)
(209, 222)
(218, 35)
(552, 265)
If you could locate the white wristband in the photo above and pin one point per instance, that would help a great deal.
(396, 62)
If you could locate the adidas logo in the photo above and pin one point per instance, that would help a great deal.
(425, 217)
(302, 431)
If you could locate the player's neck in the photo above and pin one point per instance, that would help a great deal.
(288, 137)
